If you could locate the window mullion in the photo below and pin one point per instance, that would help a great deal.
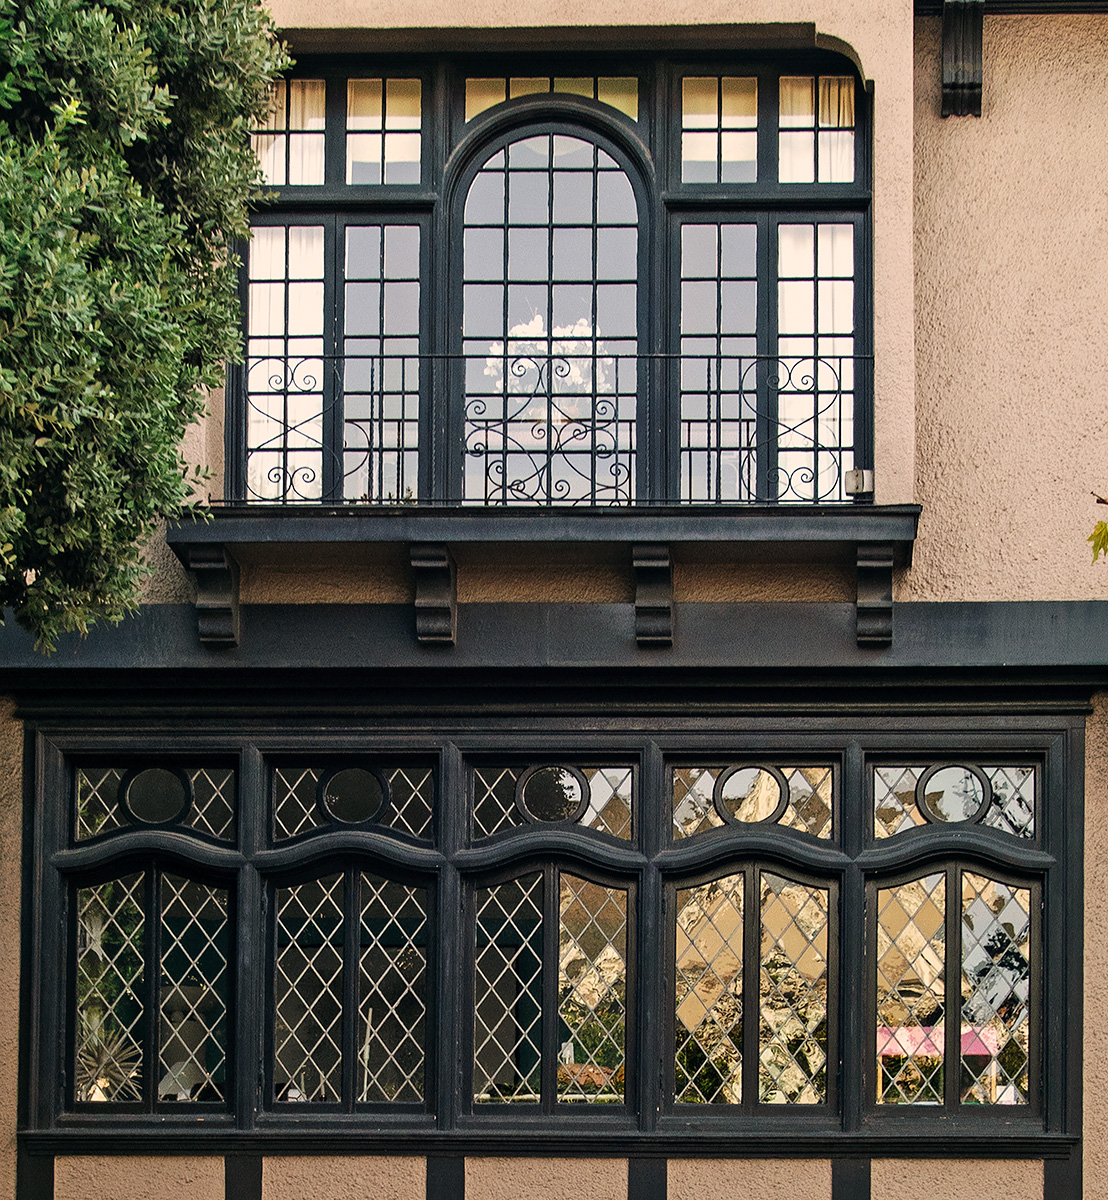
(655, 1040)
(850, 981)
(454, 945)
(351, 1019)
(551, 920)
(333, 365)
(952, 998)
(765, 436)
(252, 967)
(152, 965)
(751, 967)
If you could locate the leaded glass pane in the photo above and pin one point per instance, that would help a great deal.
(792, 1055)
(911, 948)
(392, 992)
(1012, 808)
(409, 808)
(709, 973)
(507, 1030)
(809, 807)
(592, 991)
(609, 809)
(308, 991)
(213, 802)
(996, 991)
(193, 992)
(98, 801)
(894, 800)
(621, 93)
(110, 981)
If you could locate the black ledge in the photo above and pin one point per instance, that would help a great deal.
(258, 525)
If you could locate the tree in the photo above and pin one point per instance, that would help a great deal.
(125, 175)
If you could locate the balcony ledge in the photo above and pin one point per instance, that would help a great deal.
(876, 539)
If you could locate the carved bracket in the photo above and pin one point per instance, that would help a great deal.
(874, 605)
(436, 593)
(963, 22)
(653, 595)
(217, 593)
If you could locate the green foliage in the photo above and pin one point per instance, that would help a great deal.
(1099, 539)
(125, 173)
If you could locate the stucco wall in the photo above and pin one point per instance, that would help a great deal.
(975, 1179)
(768, 1179)
(343, 1178)
(103, 1177)
(546, 1178)
(1011, 289)
(11, 838)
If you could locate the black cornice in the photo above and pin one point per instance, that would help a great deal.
(1003, 8)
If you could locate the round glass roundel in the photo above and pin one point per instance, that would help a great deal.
(553, 794)
(751, 794)
(952, 794)
(155, 796)
(353, 795)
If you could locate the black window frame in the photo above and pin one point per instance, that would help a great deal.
(653, 865)
(451, 147)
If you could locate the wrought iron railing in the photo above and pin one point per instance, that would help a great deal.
(544, 425)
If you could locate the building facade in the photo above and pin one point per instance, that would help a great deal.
(633, 724)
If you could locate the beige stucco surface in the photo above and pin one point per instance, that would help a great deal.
(964, 1179)
(764, 1178)
(1095, 1035)
(1011, 289)
(101, 1177)
(11, 827)
(343, 1178)
(546, 1178)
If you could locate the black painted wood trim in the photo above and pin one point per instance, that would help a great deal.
(850, 1179)
(653, 567)
(446, 1178)
(242, 1175)
(999, 8)
(436, 593)
(1062, 1177)
(874, 583)
(963, 22)
(34, 1178)
(647, 1179)
(216, 574)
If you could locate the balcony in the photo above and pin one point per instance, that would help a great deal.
(647, 459)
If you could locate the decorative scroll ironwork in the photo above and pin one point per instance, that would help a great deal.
(550, 425)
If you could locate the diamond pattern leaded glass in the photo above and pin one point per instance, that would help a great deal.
(809, 808)
(411, 794)
(392, 992)
(97, 801)
(608, 810)
(1011, 810)
(308, 989)
(792, 1056)
(911, 943)
(110, 979)
(213, 802)
(709, 973)
(592, 991)
(996, 982)
(507, 1031)
(193, 994)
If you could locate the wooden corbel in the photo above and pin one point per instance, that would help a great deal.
(436, 593)
(874, 604)
(963, 23)
(217, 593)
(653, 568)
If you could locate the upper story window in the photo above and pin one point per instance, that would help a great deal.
(578, 285)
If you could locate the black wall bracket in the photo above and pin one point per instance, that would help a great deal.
(217, 592)
(963, 23)
(653, 566)
(874, 605)
(436, 593)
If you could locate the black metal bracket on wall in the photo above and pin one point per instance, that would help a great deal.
(653, 567)
(436, 593)
(874, 596)
(963, 25)
(217, 592)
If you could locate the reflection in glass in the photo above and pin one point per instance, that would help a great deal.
(592, 991)
(750, 794)
(1011, 806)
(550, 325)
(954, 794)
(808, 810)
(719, 122)
(621, 93)
(792, 1052)
(195, 977)
(353, 794)
(608, 809)
(156, 796)
(392, 992)
(709, 972)
(307, 982)
(911, 948)
(383, 122)
(110, 982)
(507, 1031)
(552, 794)
(996, 991)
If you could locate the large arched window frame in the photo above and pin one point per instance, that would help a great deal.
(750, 374)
